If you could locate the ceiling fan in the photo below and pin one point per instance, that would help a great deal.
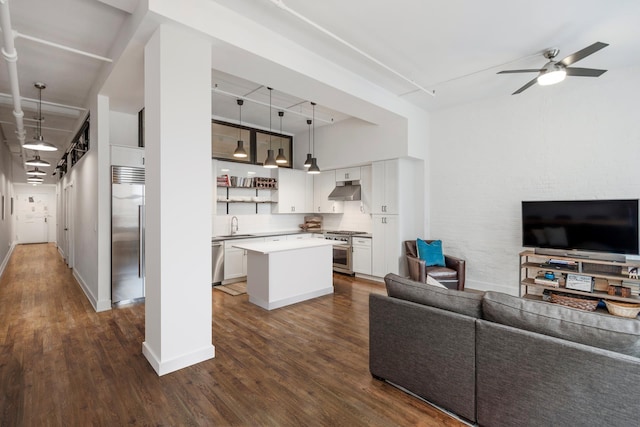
(555, 71)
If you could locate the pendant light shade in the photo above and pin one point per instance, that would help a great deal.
(37, 161)
(307, 163)
(35, 180)
(36, 172)
(281, 159)
(313, 168)
(270, 161)
(240, 152)
(38, 143)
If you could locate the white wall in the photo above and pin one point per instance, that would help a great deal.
(6, 190)
(577, 140)
(353, 142)
(123, 129)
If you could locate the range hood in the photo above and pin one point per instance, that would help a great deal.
(347, 192)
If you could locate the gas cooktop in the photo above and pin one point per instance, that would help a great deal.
(346, 232)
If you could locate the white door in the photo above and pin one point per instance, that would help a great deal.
(67, 221)
(35, 217)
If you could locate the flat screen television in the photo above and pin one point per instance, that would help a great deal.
(603, 226)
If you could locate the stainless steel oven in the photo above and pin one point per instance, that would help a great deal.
(342, 253)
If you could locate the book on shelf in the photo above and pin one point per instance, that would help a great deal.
(541, 280)
(561, 262)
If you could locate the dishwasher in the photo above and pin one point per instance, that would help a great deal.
(217, 263)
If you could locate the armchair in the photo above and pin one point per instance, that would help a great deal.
(452, 276)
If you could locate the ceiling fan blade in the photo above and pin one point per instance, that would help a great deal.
(519, 71)
(525, 87)
(581, 54)
(584, 72)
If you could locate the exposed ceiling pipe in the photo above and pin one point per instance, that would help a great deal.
(255, 101)
(10, 55)
(281, 5)
(61, 46)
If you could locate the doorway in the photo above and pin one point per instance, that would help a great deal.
(35, 217)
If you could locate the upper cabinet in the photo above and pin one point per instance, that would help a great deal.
(323, 185)
(295, 192)
(349, 174)
(385, 181)
(127, 156)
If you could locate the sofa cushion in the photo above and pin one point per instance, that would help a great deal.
(594, 329)
(431, 252)
(467, 303)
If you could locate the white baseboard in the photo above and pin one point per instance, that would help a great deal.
(292, 300)
(6, 259)
(168, 366)
(98, 305)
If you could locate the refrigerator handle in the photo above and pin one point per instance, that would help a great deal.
(140, 240)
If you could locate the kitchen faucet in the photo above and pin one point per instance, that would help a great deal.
(234, 231)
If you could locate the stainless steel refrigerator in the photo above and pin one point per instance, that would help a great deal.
(127, 234)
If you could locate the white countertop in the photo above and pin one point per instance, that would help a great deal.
(285, 245)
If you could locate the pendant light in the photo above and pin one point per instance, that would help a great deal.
(270, 162)
(240, 152)
(38, 142)
(35, 180)
(307, 163)
(314, 169)
(37, 161)
(281, 159)
(36, 172)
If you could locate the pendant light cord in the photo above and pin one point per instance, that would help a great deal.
(313, 104)
(270, 117)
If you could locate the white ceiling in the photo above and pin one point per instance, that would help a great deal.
(453, 48)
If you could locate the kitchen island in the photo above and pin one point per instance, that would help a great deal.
(285, 272)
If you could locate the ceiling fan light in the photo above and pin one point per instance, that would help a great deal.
(552, 77)
(240, 152)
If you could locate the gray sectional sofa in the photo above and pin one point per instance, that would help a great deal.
(499, 360)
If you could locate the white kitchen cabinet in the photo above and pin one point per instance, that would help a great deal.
(127, 156)
(348, 174)
(385, 187)
(235, 259)
(361, 255)
(295, 192)
(365, 189)
(323, 185)
(274, 238)
(386, 245)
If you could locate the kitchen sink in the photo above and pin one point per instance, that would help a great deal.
(226, 236)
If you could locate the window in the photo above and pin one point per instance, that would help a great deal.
(225, 136)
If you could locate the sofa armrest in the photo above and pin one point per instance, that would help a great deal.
(459, 265)
(417, 269)
(426, 350)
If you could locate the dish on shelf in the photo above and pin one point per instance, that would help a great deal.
(623, 309)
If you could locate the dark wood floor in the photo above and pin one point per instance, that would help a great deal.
(61, 363)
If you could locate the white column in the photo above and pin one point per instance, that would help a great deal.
(178, 207)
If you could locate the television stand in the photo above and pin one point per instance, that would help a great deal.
(596, 256)
(604, 273)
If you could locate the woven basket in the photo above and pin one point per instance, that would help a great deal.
(574, 301)
(623, 309)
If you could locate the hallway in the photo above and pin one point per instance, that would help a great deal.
(61, 363)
